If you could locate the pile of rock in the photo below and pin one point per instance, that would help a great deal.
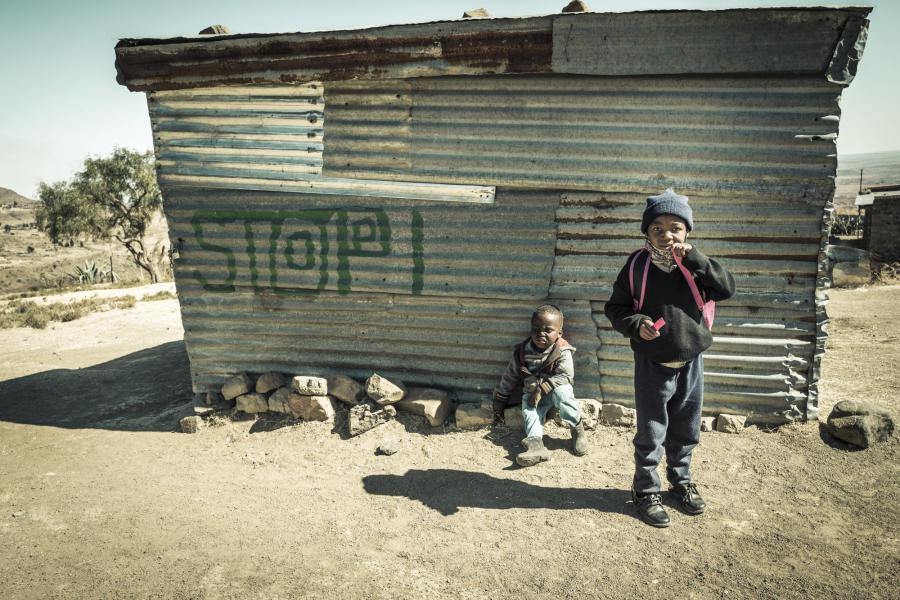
(314, 398)
(593, 412)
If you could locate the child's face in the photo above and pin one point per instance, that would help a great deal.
(666, 231)
(545, 330)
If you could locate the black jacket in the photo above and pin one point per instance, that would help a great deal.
(668, 296)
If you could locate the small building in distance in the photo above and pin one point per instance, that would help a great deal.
(880, 207)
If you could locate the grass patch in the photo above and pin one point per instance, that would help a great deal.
(26, 313)
(163, 295)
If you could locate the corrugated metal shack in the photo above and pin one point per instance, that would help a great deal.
(399, 199)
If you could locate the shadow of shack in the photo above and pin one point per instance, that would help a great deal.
(398, 199)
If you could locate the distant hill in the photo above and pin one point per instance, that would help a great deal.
(878, 168)
(8, 196)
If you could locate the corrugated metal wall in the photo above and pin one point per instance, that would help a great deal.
(572, 159)
(755, 154)
(432, 293)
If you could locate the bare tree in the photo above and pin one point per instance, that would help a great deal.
(114, 197)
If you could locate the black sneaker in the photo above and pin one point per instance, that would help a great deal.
(689, 499)
(650, 509)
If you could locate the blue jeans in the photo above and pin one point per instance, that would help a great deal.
(668, 404)
(562, 397)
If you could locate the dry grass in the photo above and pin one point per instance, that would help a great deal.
(25, 313)
(163, 295)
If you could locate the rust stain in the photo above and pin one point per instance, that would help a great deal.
(336, 59)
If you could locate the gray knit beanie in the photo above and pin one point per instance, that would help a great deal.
(667, 203)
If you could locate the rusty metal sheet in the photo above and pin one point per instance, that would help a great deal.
(775, 41)
(265, 138)
(699, 42)
(717, 135)
(462, 344)
(447, 48)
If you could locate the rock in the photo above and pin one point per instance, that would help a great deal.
(367, 415)
(839, 253)
(383, 391)
(214, 30)
(476, 13)
(591, 410)
(201, 410)
(512, 416)
(730, 423)
(707, 423)
(389, 447)
(576, 6)
(472, 416)
(311, 408)
(430, 403)
(278, 401)
(216, 401)
(309, 386)
(191, 424)
(237, 386)
(268, 382)
(859, 423)
(345, 389)
(252, 403)
(848, 274)
(618, 415)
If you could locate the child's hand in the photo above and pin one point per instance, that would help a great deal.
(680, 249)
(647, 331)
(536, 397)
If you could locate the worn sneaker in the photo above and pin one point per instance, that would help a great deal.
(534, 453)
(689, 499)
(580, 444)
(650, 509)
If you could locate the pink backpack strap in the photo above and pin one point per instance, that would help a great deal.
(698, 299)
(638, 302)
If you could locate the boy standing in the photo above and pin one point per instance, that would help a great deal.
(653, 304)
(543, 364)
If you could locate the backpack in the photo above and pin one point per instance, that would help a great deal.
(707, 308)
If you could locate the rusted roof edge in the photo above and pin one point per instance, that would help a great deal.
(828, 46)
(862, 11)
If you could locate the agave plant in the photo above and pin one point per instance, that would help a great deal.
(90, 273)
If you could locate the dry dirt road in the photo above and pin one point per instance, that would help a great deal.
(101, 498)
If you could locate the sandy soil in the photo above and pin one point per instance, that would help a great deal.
(100, 498)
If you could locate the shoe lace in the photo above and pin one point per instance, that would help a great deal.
(690, 489)
(653, 500)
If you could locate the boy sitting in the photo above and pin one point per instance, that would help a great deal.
(543, 364)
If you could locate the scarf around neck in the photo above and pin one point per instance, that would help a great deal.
(661, 258)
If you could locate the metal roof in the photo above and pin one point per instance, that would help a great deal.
(789, 41)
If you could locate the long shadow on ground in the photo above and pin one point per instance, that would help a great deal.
(447, 490)
(143, 391)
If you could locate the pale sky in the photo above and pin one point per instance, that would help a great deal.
(59, 100)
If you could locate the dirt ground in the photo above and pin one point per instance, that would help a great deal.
(101, 498)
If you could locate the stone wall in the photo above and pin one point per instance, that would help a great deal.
(884, 243)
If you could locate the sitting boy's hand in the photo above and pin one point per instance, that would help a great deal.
(536, 397)
(647, 331)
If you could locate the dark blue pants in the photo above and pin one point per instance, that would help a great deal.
(668, 403)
